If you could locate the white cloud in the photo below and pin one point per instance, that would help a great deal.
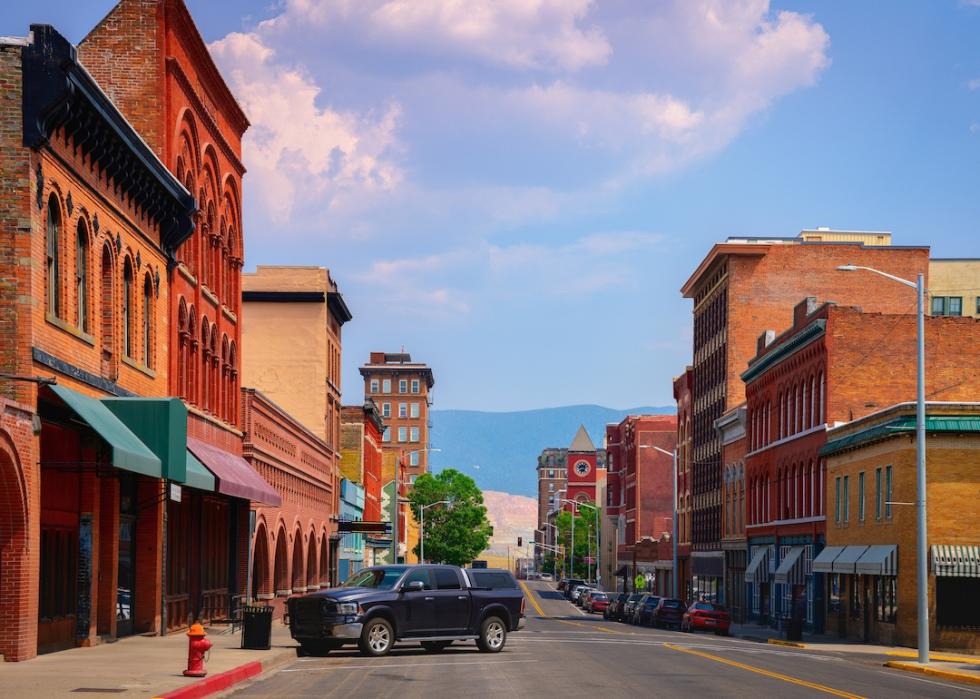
(975, 83)
(975, 127)
(295, 148)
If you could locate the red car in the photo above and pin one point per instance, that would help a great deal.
(706, 616)
(598, 602)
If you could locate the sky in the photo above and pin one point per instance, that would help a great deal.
(514, 191)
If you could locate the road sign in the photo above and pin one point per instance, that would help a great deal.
(364, 527)
(639, 581)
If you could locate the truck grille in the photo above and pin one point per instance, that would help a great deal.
(308, 615)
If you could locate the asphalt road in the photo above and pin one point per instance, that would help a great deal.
(564, 653)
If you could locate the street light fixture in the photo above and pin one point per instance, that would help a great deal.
(422, 510)
(922, 569)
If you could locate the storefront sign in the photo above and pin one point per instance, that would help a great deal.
(175, 492)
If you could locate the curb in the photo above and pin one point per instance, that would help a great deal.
(225, 680)
(943, 657)
(933, 671)
(781, 642)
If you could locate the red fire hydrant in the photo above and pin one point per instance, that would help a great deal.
(197, 646)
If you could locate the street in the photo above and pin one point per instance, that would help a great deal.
(566, 653)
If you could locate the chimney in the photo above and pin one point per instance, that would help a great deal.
(377, 358)
(765, 339)
(803, 309)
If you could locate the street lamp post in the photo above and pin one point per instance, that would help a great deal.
(595, 509)
(571, 548)
(673, 534)
(922, 569)
(422, 510)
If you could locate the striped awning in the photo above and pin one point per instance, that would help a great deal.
(824, 562)
(956, 561)
(790, 570)
(879, 559)
(846, 562)
(758, 568)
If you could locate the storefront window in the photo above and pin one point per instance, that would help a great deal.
(887, 599)
(855, 598)
(836, 592)
(956, 602)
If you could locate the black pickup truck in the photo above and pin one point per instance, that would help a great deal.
(429, 604)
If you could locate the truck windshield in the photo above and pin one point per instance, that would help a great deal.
(381, 578)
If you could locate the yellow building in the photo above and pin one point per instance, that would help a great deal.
(870, 558)
(954, 287)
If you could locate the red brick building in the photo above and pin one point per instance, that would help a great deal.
(403, 391)
(732, 433)
(682, 397)
(91, 220)
(834, 364)
(641, 475)
(361, 455)
(742, 287)
(294, 548)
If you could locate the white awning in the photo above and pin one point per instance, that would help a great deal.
(824, 562)
(956, 561)
(790, 570)
(758, 568)
(881, 559)
(846, 562)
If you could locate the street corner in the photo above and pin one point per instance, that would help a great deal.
(957, 671)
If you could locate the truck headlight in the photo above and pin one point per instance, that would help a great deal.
(348, 608)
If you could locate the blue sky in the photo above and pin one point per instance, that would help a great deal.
(515, 191)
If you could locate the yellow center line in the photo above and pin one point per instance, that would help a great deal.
(767, 673)
(530, 598)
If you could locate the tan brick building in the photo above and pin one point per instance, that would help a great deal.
(954, 287)
(403, 390)
(871, 559)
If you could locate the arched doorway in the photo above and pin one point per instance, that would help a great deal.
(18, 635)
(261, 583)
(282, 565)
(299, 580)
(311, 564)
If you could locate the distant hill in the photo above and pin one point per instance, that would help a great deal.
(506, 445)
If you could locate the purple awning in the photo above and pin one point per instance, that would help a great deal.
(235, 476)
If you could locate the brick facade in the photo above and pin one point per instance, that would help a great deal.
(682, 398)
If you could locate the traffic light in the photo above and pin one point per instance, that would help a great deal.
(520, 541)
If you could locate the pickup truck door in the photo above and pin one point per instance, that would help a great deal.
(452, 602)
(420, 606)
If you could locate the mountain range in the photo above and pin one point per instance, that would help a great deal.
(499, 450)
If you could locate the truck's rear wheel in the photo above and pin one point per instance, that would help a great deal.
(436, 646)
(493, 635)
(377, 637)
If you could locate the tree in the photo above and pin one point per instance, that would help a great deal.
(584, 531)
(457, 532)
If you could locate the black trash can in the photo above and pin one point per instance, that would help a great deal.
(256, 627)
(794, 628)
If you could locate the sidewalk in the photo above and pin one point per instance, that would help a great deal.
(954, 666)
(139, 666)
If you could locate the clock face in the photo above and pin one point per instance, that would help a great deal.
(582, 468)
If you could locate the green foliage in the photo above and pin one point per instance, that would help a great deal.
(585, 541)
(455, 533)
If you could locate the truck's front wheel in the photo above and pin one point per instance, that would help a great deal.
(377, 637)
(493, 635)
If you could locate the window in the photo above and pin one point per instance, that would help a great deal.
(386, 410)
(878, 493)
(413, 458)
(447, 579)
(861, 496)
(402, 434)
(887, 607)
(551, 473)
(148, 321)
(888, 492)
(413, 410)
(81, 277)
(127, 308)
(415, 385)
(938, 305)
(837, 499)
(386, 386)
(955, 306)
(956, 602)
(492, 580)
(846, 501)
(421, 574)
(374, 385)
(413, 434)
(947, 305)
(551, 487)
(53, 277)
(978, 305)
(386, 435)
(403, 385)
(403, 410)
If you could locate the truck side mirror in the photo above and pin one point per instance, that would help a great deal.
(414, 586)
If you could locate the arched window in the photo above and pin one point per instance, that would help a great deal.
(192, 345)
(224, 373)
(53, 275)
(805, 421)
(215, 362)
(182, 349)
(127, 308)
(81, 277)
(205, 395)
(233, 384)
(814, 421)
(823, 414)
(148, 321)
(107, 309)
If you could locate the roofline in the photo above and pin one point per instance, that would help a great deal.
(717, 251)
(954, 259)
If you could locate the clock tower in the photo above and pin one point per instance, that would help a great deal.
(581, 468)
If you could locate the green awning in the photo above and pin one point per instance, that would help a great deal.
(161, 423)
(128, 452)
(198, 476)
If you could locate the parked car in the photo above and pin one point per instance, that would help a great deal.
(643, 615)
(706, 616)
(546, 577)
(434, 605)
(570, 585)
(585, 599)
(628, 606)
(598, 601)
(668, 612)
(615, 606)
(577, 591)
